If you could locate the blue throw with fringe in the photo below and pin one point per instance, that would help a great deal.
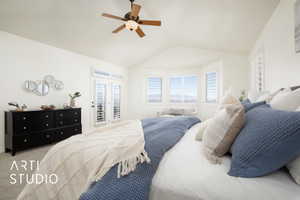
(161, 134)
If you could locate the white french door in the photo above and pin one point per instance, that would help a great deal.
(106, 101)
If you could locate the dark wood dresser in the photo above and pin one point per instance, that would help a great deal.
(24, 130)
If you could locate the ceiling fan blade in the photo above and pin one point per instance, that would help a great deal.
(119, 28)
(113, 17)
(140, 32)
(150, 22)
(135, 10)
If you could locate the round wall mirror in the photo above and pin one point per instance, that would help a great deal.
(30, 86)
(58, 85)
(42, 88)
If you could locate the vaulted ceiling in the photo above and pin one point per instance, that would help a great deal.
(76, 25)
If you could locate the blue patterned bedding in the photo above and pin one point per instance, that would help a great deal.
(161, 134)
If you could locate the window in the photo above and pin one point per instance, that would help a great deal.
(154, 94)
(116, 98)
(183, 89)
(211, 87)
(100, 102)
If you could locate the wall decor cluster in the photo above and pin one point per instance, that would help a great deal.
(42, 87)
(297, 26)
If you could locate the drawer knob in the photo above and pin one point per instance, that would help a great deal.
(76, 113)
(75, 120)
(61, 114)
(76, 129)
(47, 116)
(24, 127)
(61, 122)
(24, 118)
(25, 140)
(47, 136)
(47, 125)
(61, 132)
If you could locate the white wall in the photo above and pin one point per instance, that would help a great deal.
(22, 59)
(232, 68)
(277, 41)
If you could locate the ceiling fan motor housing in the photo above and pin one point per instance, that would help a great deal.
(129, 17)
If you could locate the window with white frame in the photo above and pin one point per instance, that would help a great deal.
(183, 89)
(154, 91)
(211, 87)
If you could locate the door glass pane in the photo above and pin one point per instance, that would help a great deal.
(116, 98)
(100, 102)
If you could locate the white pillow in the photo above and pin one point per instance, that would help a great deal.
(294, 166)
(294, 169)
(286, 100)
(222, 131)
(202, 128)
(262, 97)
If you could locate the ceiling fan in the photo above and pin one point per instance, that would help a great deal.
(132, 20)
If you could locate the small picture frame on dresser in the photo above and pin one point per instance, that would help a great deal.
(29, 129)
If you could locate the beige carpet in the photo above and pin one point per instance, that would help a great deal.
(10, 191)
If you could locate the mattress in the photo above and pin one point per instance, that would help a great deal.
(184, 174)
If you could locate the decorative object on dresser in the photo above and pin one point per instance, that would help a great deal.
(28, 129)
(72, 99)
(18, 107)
(47, 107)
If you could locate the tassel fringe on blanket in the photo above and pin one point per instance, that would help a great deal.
(125, 167)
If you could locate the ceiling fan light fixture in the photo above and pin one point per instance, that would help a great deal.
(131, 25)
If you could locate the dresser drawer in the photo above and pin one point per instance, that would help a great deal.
(47, 137)
(22, 127)
(22, 117)
(23, 141)
(65, 133)
(68, 117)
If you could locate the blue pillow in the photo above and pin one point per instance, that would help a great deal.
(249, 106)
(269, 140)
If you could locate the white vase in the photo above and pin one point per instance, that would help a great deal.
(72, 103)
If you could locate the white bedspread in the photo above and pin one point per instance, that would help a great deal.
(184, 174)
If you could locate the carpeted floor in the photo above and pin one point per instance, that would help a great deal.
(10, 191)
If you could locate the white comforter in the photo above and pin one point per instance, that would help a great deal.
(184, 174)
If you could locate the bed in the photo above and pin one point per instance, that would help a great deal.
(185, 174)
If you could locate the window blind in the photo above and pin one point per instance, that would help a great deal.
(116, 98)
(100, 102)
(183, 89)
(154, 90)
(211, 87)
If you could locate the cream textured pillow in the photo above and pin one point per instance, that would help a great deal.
(228, 99)
(288, 101)
(222, 131)
(202, 128)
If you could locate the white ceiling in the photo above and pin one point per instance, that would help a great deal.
(76, 25)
